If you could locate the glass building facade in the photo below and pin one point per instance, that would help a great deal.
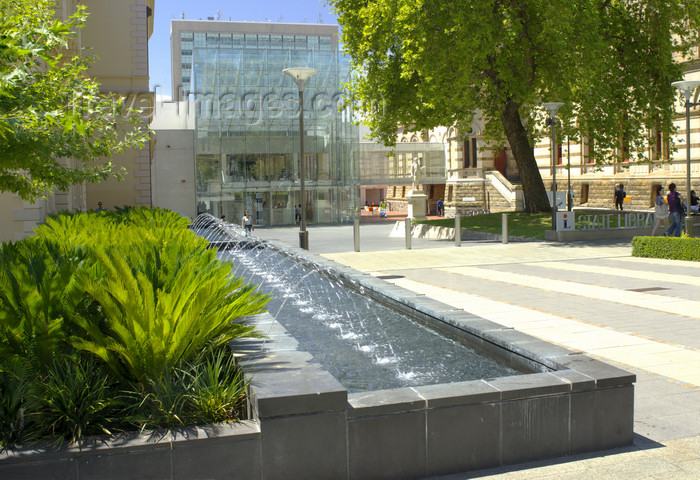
(247, 120)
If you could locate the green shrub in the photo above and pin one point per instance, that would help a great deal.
(37, 290)
(155, 324)
(101, 309)
(218, 388)
(210, 391)
(76, 397)
(673, 248)
(14, 389)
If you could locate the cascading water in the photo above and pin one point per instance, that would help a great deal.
(363, 343)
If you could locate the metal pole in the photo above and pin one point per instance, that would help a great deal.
(569, 200)
(688, 220)
(458, 230)
(554, 175)
(504, 228)
(408, 232)
(356, 233)
(303, 234)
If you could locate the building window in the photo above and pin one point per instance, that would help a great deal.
(588, 150)
(474, 152)
(559, 154)
(584, 193)
(467, 157)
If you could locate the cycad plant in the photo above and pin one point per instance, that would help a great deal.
(37, 288)
(128, 305)
(154, 325)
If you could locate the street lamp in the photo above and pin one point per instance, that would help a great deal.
(687, 87)
(553, 108)
(301, 75)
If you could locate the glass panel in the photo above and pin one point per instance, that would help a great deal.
(212, 39)
(225, 40)
(300, 42)
(251, 41)
(276, 41)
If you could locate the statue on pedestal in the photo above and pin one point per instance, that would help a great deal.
(416, 173)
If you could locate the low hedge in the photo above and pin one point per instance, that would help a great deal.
(673, 248)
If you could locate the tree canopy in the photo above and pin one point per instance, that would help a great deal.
(427, 63)
(56, 128)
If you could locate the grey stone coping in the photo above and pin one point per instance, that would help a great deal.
(529, 386)
(293, 382)
(286, 380)
(578, 381)
(604, 375)
(384, 402)
(135, 442)
(458, 394)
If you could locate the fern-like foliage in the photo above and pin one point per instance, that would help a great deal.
(37, 289)
(165, 299)
(127, 305)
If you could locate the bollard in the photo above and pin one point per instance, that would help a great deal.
(356, 233)
(408, 233)
(304, 239)
(504, 228)
(458, 230)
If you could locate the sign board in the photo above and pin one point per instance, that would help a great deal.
(469, 199)
(566, 221)
(561, 199)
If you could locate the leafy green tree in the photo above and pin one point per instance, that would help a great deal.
(50, 109)
(426, 63)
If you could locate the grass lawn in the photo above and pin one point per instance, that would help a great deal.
(529, 225)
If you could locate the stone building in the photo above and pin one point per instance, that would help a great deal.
(117, 35)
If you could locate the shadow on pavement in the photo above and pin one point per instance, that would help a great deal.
(640, 443)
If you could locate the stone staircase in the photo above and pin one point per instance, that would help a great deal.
(472, 190)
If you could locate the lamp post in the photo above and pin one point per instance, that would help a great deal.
(687, 88)
(569, 195)
(553, 108)
(301, 75)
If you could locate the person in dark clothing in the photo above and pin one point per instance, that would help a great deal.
(620, 195)
(675, 209)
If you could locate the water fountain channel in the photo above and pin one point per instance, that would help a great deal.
(362, 342)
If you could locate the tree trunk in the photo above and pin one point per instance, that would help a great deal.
(533, 188)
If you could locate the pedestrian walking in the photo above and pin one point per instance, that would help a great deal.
(620, 195)
(247, 223)
(660, 210)
(675, 209)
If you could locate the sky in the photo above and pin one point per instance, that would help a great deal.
(290, 11)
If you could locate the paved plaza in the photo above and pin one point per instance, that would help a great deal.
(639, 314)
